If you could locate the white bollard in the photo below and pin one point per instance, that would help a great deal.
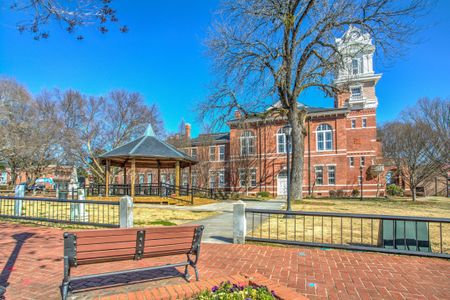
(126, 212)
(19, 192)
(239, 223)
(83, 215)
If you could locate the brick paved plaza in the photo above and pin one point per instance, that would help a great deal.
(31, 264)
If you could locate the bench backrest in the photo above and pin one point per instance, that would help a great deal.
(93, 246)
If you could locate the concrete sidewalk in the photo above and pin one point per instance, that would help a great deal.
(219, 228)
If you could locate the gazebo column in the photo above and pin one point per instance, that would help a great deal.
(159, 178)
(125, 190)
(177, 178)
(189, 187)
(107, 178)
(133, 176)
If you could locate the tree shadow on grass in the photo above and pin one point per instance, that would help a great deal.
(9, 266)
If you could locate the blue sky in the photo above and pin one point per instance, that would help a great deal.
(163, 57)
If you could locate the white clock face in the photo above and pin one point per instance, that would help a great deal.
(355, 35)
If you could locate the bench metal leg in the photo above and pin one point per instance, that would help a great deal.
(193, 264)
(186, 273)
(196, 272)
(66, 280)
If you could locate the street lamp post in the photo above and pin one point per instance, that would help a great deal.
(287, 132)
(361, 177)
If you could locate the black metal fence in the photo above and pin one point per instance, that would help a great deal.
(381, 233)
(154, 189)
(76, 212)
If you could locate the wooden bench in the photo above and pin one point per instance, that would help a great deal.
(97, 246)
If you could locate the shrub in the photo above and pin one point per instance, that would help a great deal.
(355, 193)
(229, 291)
(234, 196)
(340, 193)
(263, 194)
(394, 190)
(332, 193)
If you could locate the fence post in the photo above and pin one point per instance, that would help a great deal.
(239, 223)
(20, 193)
(80, 208)
(126, 212)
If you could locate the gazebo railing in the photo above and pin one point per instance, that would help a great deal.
(154, 189)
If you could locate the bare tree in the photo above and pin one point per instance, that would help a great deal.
(29, 133)
(435, 114)
(15, 108)
(266, 50)
(71, 15)
(408, 144)
(93, 125)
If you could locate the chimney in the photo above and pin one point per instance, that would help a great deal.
(188, 130)
(237, 114)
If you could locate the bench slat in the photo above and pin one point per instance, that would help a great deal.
(105, 259)
(105, 253)
(105, 232)
(109, 239)
(167, 248)
(171, 229)
(123, 245)
(105, 246)
(167, 236)
(168, 253)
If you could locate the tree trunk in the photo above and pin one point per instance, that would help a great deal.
(412, 187)
(298, 149)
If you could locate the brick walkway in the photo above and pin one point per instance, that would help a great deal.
(31, 265)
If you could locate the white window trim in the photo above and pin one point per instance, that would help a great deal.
(324, 136)
(221, 171)
(252, 137)
(209, 153)
(328, 174)
(362, 123)
(256, 175)
(315, 177)
(361, 159)
(221, 147)
(352, 121)
(350, 164)
(196, 152)
(278, 134)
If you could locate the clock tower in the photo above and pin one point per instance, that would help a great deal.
(355, 77)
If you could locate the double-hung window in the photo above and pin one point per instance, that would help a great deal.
(212, 179)
(319, 175)
(212, 153)
(194, 153)
(247, 143)
(351, 161)
(221, 176)
(221, 152)
(331, 175)
(324, 137)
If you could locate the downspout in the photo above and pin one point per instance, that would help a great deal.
(309, 156)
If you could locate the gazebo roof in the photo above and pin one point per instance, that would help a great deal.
(147, 151)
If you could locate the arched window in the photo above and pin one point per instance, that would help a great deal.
(282, 141)
(247, 143)
(324, 137)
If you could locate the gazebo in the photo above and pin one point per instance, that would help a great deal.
(146, 151)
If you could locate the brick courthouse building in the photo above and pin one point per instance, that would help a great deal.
(251, 157)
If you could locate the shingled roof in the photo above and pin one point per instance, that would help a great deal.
(147, 149)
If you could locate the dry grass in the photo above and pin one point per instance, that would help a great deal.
(357, 231)
(98, 213)
(144, 216)
(424, 207)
